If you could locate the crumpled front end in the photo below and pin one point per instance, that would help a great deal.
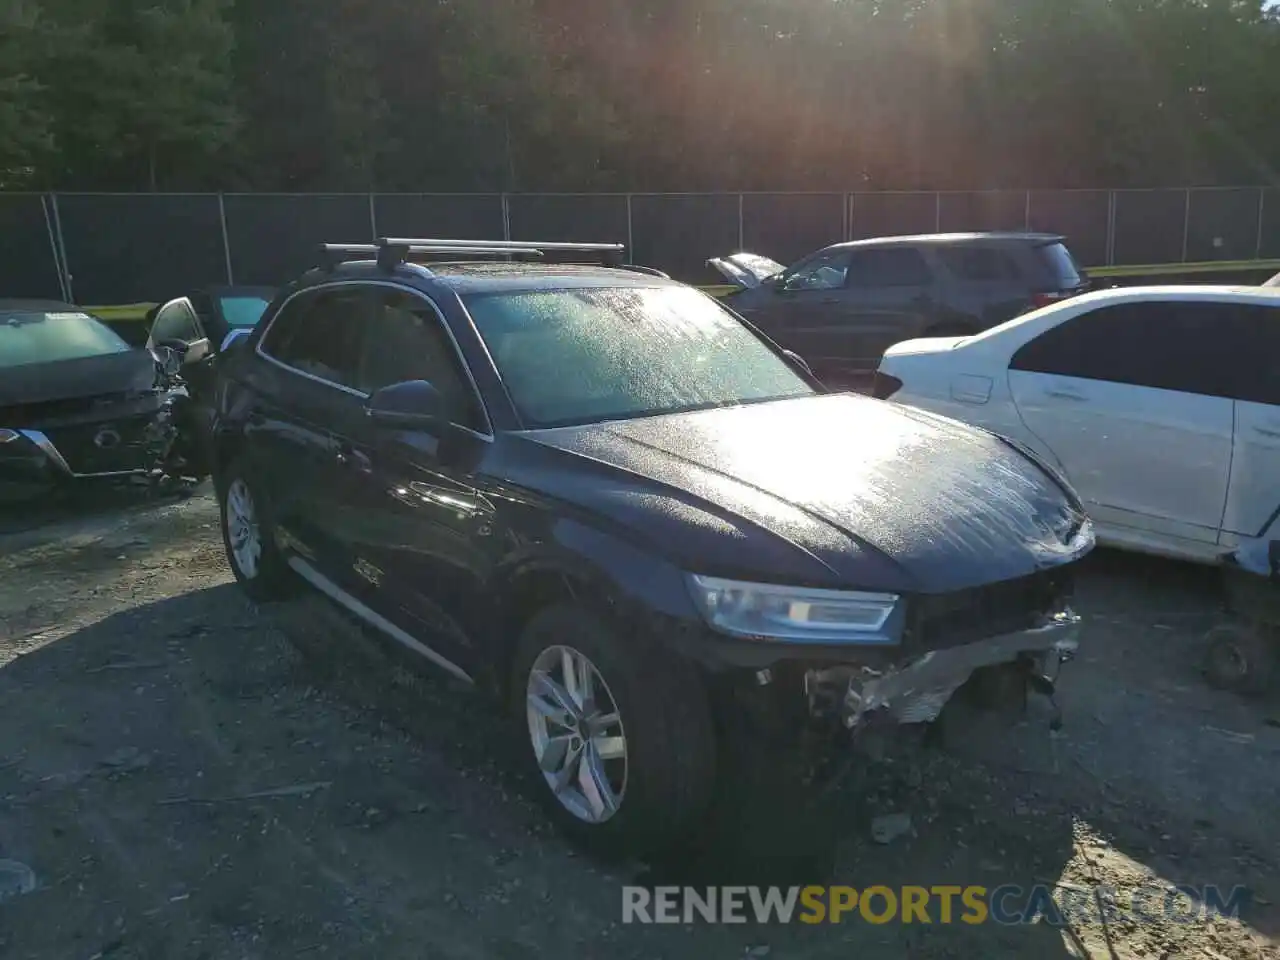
(92, 438)
(915, 689)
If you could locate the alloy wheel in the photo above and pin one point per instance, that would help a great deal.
(243, 533)
(577, 734)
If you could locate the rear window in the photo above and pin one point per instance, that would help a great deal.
(242, 313)
(45, 337)
(1062, 266)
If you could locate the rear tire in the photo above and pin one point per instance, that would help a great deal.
(248, 534)
(640, 725)
(1240, 657)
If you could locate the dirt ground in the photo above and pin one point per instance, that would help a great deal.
(182, 782)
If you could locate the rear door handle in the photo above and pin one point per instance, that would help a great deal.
(1058, 394)
(1272, 432)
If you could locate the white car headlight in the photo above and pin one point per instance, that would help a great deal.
(799, 614)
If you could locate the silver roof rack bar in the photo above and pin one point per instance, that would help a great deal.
(515, 246)
(392, 251)
(443, 246)
(389, 254)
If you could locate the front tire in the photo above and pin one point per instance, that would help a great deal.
(248, 536)
(618, 733)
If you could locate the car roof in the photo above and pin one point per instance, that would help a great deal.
(491, 277)
(1266, 296)
(944, 239)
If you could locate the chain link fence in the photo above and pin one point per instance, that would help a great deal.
(117, 248)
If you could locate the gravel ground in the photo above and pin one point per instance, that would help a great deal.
(186, 776)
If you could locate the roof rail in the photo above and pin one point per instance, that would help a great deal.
(392, 251)
(390, 254)
(609, 254)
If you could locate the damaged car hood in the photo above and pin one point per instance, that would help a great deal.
(882, 497)
(130, 372)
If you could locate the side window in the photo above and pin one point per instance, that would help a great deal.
(319, 333)
(824, 272)
(889, 267)
(1255, 364)
(176, 321)
(976, 264)
(1163, 345)
(406, 340)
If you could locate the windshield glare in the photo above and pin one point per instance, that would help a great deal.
(242, 312)
(44, 337)
(582, 355)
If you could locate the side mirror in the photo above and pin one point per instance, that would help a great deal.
(411, 405)
(797, 361)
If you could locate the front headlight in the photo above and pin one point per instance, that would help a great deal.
(798, 614)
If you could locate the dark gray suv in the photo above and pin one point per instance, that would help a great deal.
(841, 307)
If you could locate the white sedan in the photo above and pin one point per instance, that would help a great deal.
(1161, 406)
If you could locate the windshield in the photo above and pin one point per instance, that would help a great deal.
(36, 336)
(584, 355)
(242, 313)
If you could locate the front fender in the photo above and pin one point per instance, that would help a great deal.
(579, 563)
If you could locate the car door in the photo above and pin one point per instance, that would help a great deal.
(412, 522)
(889, 296)
(805, 310)
(1253, 504)
(303, 390)
(1131, 401)
(177, 321)
(984, 285)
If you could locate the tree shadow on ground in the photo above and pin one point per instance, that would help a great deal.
(196, 775)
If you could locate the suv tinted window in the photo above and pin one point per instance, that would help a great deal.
(888, 267)
(976, 264)
(1164, 345)
(405, 340)
(319, 333)
(176, 321)
(1062, 266)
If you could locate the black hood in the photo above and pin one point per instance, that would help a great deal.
(129, 372)
(853, 491)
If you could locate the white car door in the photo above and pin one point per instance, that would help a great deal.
(1125, 396)
(1253, 505)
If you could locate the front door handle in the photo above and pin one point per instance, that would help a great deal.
(1272, 432)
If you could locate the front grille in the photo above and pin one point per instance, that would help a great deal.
(943, 620)
(83, 455)
(35, 414)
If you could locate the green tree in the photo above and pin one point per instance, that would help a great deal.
(25, 126)
(141, 90)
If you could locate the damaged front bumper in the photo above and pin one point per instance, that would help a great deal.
(127, 438)
(916, 690)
